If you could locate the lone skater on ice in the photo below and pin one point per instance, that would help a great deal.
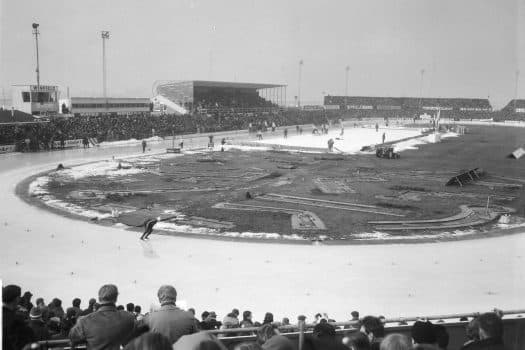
(148, 225)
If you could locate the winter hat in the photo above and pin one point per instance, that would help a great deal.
(10, 293)
(423, 332)
(324, 329)
(35, 313)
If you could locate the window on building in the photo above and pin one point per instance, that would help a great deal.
(25, 96)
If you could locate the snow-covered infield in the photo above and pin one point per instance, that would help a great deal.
(55, 256)
(353, 140)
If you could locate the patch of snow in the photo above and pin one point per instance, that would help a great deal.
(376, 235)
(107, 168)
(37, 187)
(173, 227)
(244, 148)
(130, 142)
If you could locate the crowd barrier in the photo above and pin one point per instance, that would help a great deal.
(513, 328)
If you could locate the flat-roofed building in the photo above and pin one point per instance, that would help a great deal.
(41, 100)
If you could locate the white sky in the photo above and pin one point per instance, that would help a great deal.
(469, 48)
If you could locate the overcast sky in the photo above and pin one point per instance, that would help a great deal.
(468, 48)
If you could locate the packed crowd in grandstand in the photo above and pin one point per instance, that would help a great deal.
(103, 324)
(224, 113)
(43, 135)
(219, 99)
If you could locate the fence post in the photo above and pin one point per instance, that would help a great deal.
(301, 323)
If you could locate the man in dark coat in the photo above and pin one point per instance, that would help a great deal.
(37, 325)
(107, 328)
(323, 337)
(90, 308)
(169, 320)
(490, 333)
(15, 331)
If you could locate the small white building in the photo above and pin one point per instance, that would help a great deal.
(36, 100)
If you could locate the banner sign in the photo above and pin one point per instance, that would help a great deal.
(69, 143)
(359, 107)
(7, 148)
(43, 88)
(388, 108)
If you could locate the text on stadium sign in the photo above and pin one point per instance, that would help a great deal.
(43, 88)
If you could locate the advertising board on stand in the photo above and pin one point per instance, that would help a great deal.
(68, 143)
(7, 148)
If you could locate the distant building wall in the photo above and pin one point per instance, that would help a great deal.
(100, 105)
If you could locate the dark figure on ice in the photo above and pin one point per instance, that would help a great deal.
(377, 127)
(331, 145)
(223, 142)
(285, 133)
(144, 144)
(148, 225)
(384, 137)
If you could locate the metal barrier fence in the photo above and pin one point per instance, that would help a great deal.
(514, 334)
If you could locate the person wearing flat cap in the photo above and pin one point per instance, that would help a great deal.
(107, 328)
(169, 320)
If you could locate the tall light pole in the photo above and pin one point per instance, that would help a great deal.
(347, 71)
(299, 84)
(104, 35)
(421, 87)
(36, 33)
(516, 89)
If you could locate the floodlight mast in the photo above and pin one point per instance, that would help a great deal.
(36, 33)
(347, 71)
(104, 35)
(299, 84)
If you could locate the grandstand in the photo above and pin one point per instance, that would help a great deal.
(204, 96)
(409, 106)
(514, 110)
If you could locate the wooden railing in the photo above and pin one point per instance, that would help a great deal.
(514, 330)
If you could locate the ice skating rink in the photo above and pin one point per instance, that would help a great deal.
(55, 256)
(350, 142)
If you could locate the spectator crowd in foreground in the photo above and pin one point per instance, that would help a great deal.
(104, 325)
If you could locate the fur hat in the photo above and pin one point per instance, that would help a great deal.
(423, 332)
(10, 293)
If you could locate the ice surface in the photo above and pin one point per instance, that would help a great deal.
(351, 141)
(54, 256)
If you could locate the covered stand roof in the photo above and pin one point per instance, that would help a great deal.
(226, 84)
